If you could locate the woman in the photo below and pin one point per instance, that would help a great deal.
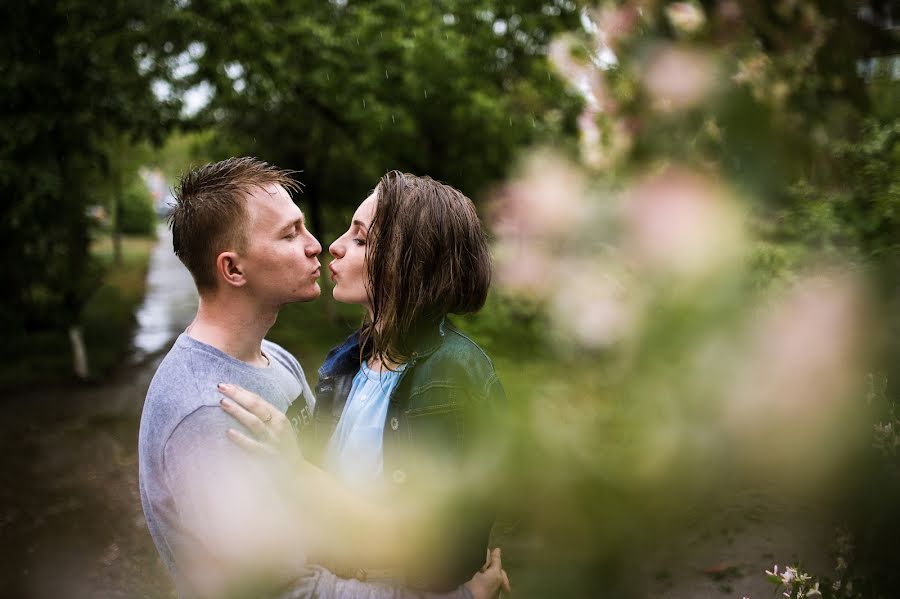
(405, 403)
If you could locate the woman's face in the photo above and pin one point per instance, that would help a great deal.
(348, 269)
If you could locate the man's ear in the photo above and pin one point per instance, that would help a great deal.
(230, 269)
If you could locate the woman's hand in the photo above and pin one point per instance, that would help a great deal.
(274, 433)
(491, 579)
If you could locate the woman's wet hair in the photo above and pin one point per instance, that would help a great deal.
(427, 257)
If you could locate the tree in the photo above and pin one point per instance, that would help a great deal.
(77, 74)
(345, 91)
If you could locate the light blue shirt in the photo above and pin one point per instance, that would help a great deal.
(356, 451)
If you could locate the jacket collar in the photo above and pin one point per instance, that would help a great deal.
(344, 359)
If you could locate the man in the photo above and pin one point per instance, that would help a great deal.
(215, 512)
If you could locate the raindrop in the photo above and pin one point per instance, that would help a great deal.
(510, 121)
(357, 40)
(393, 120)
(426, 92)
(327, 77)
(364, 102)
(533, 123)
(385, 74)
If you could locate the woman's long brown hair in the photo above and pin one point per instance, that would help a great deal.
(427, 257)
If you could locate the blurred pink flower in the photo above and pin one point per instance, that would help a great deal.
(531, 216)
(729, 11)
(599, 151)
(681, 222)
(615, 23)
(547, 200)
(685, 17)
(806, 343)
(524, 268)
(799, 381)
(591, 304)
(580, 72)
(574, 69)
(678, 78)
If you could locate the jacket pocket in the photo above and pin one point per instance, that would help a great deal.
(436, 421)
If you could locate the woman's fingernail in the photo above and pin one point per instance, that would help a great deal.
(226, 403)
(224, 386)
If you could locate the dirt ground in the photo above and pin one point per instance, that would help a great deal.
(70, 512)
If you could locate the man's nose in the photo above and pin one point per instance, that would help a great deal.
(314, 248)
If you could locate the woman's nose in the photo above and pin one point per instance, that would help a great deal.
(336, 249)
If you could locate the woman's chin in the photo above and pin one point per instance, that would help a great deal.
(341, 297)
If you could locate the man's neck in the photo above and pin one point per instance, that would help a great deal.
(237, 328)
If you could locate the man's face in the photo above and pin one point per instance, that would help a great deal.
(280, 260)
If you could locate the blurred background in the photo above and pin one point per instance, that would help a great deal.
(694, 209)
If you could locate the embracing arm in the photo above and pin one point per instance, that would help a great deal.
(339, 521)
(238, 532)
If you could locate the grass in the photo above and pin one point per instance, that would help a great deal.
(109, 315)
(45, 357)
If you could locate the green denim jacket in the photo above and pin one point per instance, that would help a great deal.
(443, 414)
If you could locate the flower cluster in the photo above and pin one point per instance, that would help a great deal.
(795, 583)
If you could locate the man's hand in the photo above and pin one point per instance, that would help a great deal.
(492, 578)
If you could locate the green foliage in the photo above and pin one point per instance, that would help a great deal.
(346, 91)
(72, 85)
(509, 326)
(138, 216)
(182, 150)
(43, 357)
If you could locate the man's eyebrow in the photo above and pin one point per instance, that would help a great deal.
(297, 221)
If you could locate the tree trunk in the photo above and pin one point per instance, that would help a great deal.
(79, 353)
(117, 217)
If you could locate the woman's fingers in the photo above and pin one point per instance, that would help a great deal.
(495, 566)
(245, 442)
(249, 401)
(245, 417)
(487, 559)
(504, 584)
(273, 421)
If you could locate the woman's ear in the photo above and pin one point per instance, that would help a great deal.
(230, 269)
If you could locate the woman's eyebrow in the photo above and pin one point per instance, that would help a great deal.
(361, 224)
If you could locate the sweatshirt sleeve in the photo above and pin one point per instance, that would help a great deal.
(235, 528)
(322, 584)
